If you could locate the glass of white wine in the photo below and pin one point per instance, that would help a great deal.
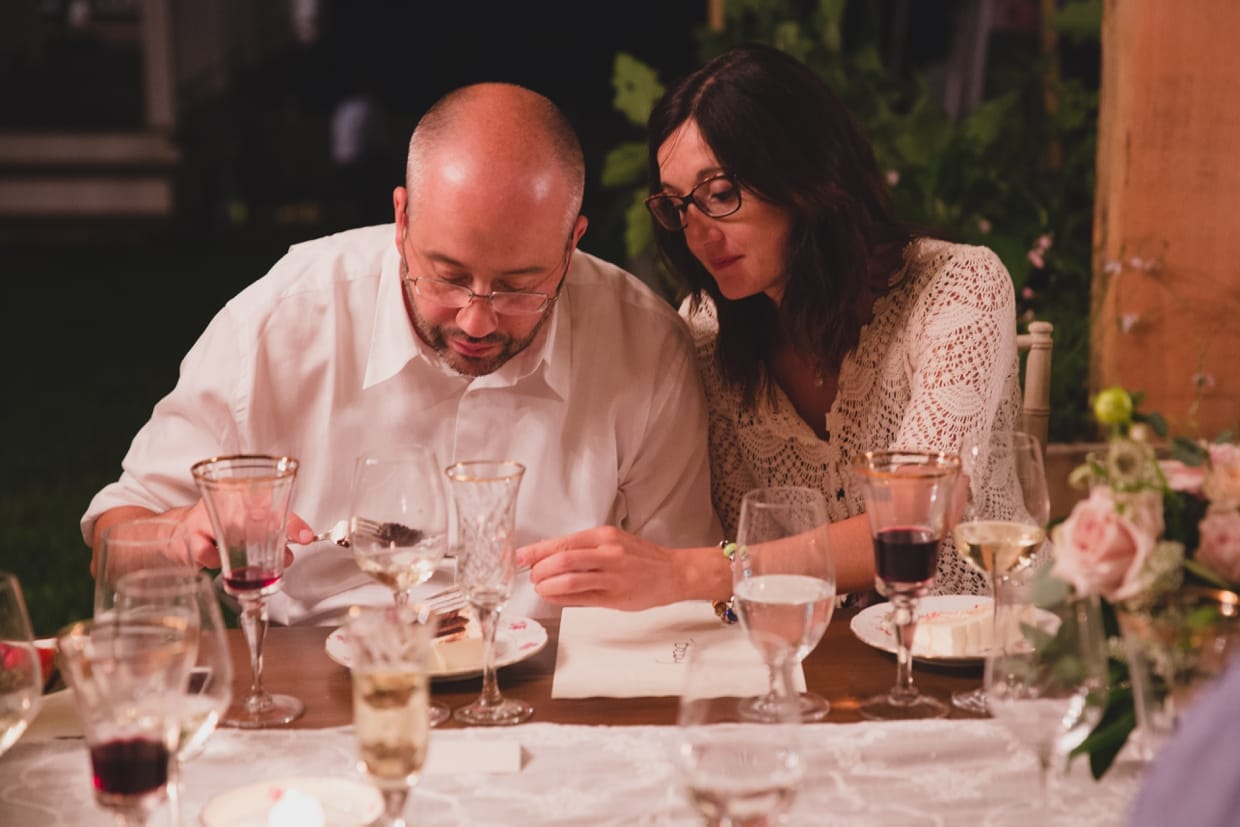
(391, 698)
(1004, 525)
(21, 679)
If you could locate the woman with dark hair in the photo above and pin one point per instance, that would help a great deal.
(825, 326)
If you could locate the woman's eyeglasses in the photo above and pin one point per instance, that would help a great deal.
(717, 197)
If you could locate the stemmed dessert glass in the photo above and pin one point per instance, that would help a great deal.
(1046, 681)
(485, 495)
(21, 678)
(247, 497)
(783, 583)
(127, 675)
(207, 690)
(1004, 527)
(908, 498)
(391, 693)
(735, 772)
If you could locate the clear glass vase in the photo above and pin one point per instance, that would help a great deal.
(1174, 648)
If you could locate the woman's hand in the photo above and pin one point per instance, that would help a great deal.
(607, 567)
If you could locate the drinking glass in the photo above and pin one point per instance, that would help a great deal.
(391, 694)
(1046, 678)
(247, 497)
(908, 496)
(398, 519)
(128, 675)
(1004, 526)
(207, 690)
(142, 543)
(485, 495)
(21, 678)
(398, 525)
(783, 584)
(736, 771)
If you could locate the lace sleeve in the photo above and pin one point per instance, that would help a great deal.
(962, 352)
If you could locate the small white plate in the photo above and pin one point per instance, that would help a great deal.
(346, 803)
(872, 626)
(515, 640)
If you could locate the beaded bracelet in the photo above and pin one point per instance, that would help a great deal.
(723, 608)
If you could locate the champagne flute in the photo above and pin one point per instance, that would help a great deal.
(21, 677)
(738, 772)
(485, 495)
(207, 690)
(783, 581)
(1004, 526)
(391, 693)
(247, 497)
(1046, 681)
(398, 525)
(127, 675)
(908, 496)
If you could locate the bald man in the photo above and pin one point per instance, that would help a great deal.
(472, 326)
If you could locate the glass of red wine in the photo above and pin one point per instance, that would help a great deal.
(247, 497)
(127, 674)
(908, 498)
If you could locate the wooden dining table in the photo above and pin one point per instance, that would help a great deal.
(841, 668)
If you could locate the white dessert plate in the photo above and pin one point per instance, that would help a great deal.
(345, 803)
(516, 639)
(872, 626)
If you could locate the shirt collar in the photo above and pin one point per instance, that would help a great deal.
(394, 343)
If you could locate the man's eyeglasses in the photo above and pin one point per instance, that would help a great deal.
(717, 197)
(508, 302)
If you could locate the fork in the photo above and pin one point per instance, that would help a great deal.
(385, 532)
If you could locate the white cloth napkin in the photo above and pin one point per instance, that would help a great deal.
(606, 653)
(57, 718)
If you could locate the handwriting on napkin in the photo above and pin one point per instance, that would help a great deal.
(605, 653)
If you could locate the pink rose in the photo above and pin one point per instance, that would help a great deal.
(1220, 543)
(1099, 550)
(1222, 483)
(1181, 477)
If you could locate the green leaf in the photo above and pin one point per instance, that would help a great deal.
(637, 88)
(1206, 573)
(1189, 451)
(1079, 21)
(638, 234)
(624, 165)
(1158, 422)
(1110, 734)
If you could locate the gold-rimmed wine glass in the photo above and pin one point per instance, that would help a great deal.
(247, 498)
(908, 496)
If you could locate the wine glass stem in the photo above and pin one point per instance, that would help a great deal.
(488, 619)
(906, 624)
(394, 807)
(402, 597)
(254, 624)
(174, 791)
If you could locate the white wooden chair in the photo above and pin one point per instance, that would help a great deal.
(1036, 405)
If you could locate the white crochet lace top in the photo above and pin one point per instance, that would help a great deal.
(935, 368)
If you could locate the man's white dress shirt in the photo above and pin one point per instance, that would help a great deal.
(318, 360)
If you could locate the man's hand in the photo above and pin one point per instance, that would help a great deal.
(605, 567)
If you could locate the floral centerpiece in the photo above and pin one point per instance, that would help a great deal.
(1158, 540)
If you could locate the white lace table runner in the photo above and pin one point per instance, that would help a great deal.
(909, 774)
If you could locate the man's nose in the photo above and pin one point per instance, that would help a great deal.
(478, 318)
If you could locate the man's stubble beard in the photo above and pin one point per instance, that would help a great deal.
(436, 339)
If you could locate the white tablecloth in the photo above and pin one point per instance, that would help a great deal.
(962, 772)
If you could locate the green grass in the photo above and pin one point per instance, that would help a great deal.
(94, 335)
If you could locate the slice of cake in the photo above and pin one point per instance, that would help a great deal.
(458, 642)
(958, 634)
